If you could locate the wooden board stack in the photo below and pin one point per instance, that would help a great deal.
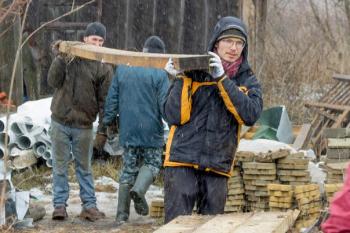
(235, 198)
(157, 208)
(256, 177)
(308, 198)
(293, 169)
(331, 189)
(280, 197)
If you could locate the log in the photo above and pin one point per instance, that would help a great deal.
(182, 62)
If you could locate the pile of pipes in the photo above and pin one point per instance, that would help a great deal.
(26, 143)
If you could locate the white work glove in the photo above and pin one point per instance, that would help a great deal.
(169, 67)
(217, 70)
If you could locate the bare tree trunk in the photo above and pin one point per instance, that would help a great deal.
(260, 23)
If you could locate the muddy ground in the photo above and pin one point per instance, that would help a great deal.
(106, 201)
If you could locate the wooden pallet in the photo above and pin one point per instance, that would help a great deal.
(277, 222)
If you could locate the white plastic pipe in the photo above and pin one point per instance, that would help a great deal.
(25, 141)
(49, 162)
(47, 155)
(39, 148)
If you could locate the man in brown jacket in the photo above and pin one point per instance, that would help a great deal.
(80, 89)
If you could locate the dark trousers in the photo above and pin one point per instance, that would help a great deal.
(184, 187)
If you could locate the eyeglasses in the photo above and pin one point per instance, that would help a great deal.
(230, 42)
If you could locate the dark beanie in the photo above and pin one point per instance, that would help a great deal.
(96, 29)
(154, 44)
(235, 33)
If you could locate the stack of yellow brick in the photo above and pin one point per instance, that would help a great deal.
(293, 169)
(331, 189)
(280, 197)
(157, 208)
(256, 177)
(308, 198)
(235, 199)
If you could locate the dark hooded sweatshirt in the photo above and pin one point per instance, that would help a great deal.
(206, 116)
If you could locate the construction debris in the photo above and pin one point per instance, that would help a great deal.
(332, 111)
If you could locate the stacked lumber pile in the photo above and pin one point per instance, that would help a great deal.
(235, 201)
(293, 169)
(308, 198)
(157, 208)
(332, 111)
(280, 197)
(330, 190)
(266, 222)
(256, 177)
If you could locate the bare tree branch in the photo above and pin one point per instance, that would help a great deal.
(324, 29)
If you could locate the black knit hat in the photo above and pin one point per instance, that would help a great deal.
(235, 33)
(154, 44)
(95, 29)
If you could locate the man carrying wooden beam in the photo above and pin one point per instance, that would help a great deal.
(81, 86)
(206, 111)
(137, 94)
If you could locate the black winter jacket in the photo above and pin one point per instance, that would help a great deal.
(206, 116)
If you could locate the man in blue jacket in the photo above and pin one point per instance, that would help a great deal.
(137, 94)
(206, 111)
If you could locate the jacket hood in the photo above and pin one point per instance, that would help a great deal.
(225, 23)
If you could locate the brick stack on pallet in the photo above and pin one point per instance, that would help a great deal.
(256, 177)
(335, 172)
(280, 197)
(330, 190)
(308, 198)
(293, 169)
(235, 201)
(157, 208)
(338, 144)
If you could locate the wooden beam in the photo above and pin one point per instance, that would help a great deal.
(303, 137)
(329, 106)
(66, 25)
(342, 77)
(182, 62)
(326, 114)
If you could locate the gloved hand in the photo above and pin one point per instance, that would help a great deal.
(217, 70)
(169, 67)
(100, 141)
(67, 58)
(55, 47)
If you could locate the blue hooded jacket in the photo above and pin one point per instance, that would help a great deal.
(137, 94)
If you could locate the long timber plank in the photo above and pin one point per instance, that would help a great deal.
(115, 56)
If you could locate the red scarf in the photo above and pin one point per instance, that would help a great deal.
(231, 68)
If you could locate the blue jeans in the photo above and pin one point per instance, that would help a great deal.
(64, 139)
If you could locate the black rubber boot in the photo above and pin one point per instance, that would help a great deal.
(123, 209)
(143, 181)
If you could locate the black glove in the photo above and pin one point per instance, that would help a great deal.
(67, 58)
(100, 141)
